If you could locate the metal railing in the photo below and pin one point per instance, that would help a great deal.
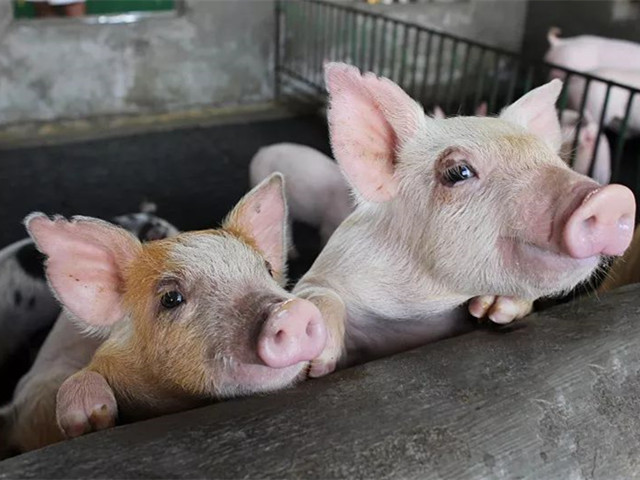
(439, 68)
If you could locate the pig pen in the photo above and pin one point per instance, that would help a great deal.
(555, 394)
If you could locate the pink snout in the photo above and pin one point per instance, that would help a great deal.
(294, 332)
(602, 224)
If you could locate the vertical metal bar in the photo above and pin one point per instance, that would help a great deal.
(373, 49)
(306, 51)
(480, 82)
(528, 81)
(363, 41)
(335, 34)
(354, 38)
(277, 59)
(463, 86)
(564, 96)
(583, 102)
(600, 129)
(403, 58)
(622, 139)
(322, 46)
(383, 45)
(436, 86)
(345, 36)
(427, 67)
(493, 96)
(452, 65)
(416, 49)
(394, 39)
(511, 89)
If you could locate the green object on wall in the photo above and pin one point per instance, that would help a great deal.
(24, 9)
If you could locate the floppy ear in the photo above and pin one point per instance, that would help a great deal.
(86, 263)
(261, 216)
(370, 119)
(536, 111)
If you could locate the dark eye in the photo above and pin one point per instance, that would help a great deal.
(458, 173)
(269, 268)
(171, 299)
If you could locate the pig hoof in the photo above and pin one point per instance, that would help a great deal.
(501, 310)
(85, 403)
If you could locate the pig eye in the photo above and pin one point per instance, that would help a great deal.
(458, 173)
(269, 268)
(171, 299)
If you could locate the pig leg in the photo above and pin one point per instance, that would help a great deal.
(334, 314)
(85, 403)
(500, 310)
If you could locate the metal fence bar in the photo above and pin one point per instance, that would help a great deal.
(600, 131)
(427, 63)
(452, 65)
(416, 50)
(622, 138)
(576, 139)
(403, 57)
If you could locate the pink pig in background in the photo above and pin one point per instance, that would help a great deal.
(449, 210)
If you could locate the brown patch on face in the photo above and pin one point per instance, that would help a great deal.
(161, 366)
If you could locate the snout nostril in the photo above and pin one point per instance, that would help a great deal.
(280, 334)
(310, 329)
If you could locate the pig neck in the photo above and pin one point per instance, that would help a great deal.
(376, 263)
(140, 392)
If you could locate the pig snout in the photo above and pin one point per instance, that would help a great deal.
(294, 332)
(602, 224)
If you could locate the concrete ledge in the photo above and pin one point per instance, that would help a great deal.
(555, 396)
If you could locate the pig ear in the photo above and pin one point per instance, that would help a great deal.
(261, 216)
(370, 119)
(85, 265)
(482, 110)
(536, 111)
(438, 113)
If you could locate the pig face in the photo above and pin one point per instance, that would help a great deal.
(485, 204)
(203, 313)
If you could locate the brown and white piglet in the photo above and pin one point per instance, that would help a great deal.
(450, 209)
(193, 318)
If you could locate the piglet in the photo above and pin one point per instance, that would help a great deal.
(449, 210)
(618, 96)
(189, 319)
(586, 53)
(586, 146)
(316, 191)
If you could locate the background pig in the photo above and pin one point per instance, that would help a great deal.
(448, 210)
(618, 97)
(586, 53)
(586, 146)
(192, 318)
(316, 191)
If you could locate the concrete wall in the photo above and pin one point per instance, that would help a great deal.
(215, 53)
(617, 19)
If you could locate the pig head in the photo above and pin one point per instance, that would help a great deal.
(199, 316)
(455, 208)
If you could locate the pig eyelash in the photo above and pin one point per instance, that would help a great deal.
(457, 174)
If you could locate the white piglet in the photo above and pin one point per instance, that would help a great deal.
(449, 210)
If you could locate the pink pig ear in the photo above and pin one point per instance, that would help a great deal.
(370, 119)
(85, 265)
(261, 216)
(536, 111)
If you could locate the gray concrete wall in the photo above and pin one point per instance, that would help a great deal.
(216, 53)
(617, 19)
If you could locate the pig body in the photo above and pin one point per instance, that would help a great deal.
(586, 53)
(626, 269)
(316, 191)
(449, 210)
(192, 318)
(618, 97)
